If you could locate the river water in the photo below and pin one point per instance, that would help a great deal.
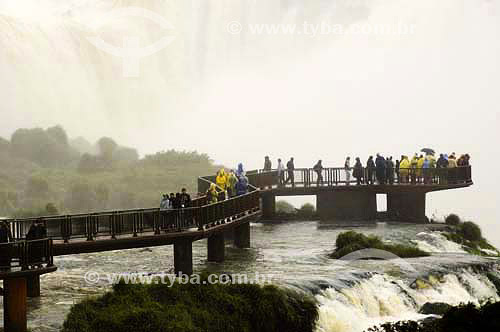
(352, 295)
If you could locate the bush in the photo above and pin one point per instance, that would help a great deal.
(452, 220)
(348, 242)
(284, 207)
(306, 210)
(463, 318)
(470, 231)
(194, 307)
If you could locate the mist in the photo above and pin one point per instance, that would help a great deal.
(241, 96)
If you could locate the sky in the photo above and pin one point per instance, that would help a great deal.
(240, 95)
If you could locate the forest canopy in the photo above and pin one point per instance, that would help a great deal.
(41, 166)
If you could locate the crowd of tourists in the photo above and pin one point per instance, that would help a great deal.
(176, 201)
(420, 169)
(232, 183)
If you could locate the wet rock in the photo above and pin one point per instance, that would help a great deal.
(436, 308)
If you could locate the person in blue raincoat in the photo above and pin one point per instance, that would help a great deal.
(242, 186)
(240, 171)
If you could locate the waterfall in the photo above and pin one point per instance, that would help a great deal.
(382, 298)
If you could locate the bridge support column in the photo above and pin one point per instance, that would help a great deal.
(346, 205)
(407, 206)
(14, 305)
(242, 235)
(268, 206)
(33, 284)
(183, 257)
(216, 248)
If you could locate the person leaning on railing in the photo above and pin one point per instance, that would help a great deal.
(5, 237)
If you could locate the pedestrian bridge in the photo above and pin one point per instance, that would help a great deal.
(338, 198)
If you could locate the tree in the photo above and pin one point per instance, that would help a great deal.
(452, 220)
(107, 147)
(81, 197)
(37, 188)
(102, 195)
(4, 146)
(307, 210)
(58, 134)
(46, 148)
(88, 164)
(125, 155)
(284, 207)
(471, 231)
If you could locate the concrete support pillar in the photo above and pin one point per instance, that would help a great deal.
(14, 305)
(407, 207)
(33, 284)
(347, 205)
(216, 248)
(242, 235)
(268, 206)
(183, 257)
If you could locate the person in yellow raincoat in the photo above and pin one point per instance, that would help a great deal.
(420, 167)
(404, 169)
(221, 179)
(212, 194)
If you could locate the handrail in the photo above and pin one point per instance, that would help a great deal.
(26, 255)
(334, 176)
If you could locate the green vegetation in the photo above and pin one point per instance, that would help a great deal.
(351, 241)
(452, 220)
(463, 318)
(192, 308)
(284, 207)
(306, 211)
(469, 235)
(39, 166)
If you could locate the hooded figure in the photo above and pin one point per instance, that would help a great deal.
(381, 166)
(240, 171)
(5, 237)
(231, 184)
(221, 179)
(404, 169)
(370, 166)
(358, 171)
(242, 186)
(212, 195)
(165, 203)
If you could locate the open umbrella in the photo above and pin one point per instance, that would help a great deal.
(428, 151)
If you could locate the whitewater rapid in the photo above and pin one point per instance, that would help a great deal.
(382, 298)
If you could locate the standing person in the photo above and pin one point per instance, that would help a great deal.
(370, 166)
(404, 169)
(347, 169)
(398, 166)
(5, 253)
(358, 172)
(452, 169)
(426, 171)
(268, 166)
(212, 195)
(281, 172)
(390, 170)
(185, 199)
(240, 171)
(381, 166)
(242, 186)
(318, 168)
(231, 184)
(414, 166)
(420, 168)
(165, 202)
(221, 179)
(290, 168)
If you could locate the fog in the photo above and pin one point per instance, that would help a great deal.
(240, 96)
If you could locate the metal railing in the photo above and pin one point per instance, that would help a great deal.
(26, 255)
(114, 224)
(335, 176)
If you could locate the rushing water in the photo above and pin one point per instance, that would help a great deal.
(351, 295)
